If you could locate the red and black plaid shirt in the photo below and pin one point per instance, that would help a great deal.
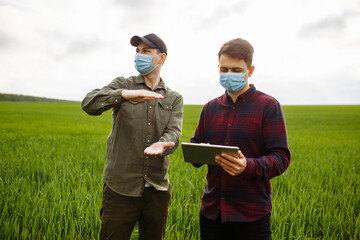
(255, 124)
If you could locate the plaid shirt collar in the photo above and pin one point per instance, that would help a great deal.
(243, 97)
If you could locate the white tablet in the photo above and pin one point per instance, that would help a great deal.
(205, 153)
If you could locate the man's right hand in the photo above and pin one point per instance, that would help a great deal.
(231, 164)
(140, 95)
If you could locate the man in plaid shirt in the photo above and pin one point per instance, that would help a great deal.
(236, 203)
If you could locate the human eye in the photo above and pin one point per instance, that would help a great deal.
(237, 70)
(224, 69)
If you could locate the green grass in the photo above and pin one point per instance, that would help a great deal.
(52, 157)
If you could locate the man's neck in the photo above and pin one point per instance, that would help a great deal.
(235, 95)
(152, 80)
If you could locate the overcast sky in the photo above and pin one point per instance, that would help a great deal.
(306, 51)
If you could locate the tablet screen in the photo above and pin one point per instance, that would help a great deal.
(205, 153)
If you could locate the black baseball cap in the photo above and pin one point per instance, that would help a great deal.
(152, 40)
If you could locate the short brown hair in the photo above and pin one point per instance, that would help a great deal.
(238, 48)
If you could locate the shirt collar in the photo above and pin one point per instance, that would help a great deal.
(243, 97)
(140, 80)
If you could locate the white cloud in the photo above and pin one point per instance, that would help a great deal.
(303, 49)
(332, 26)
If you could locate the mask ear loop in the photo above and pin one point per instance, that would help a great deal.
(160, 59)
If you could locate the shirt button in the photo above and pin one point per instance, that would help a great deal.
(150, 107)
(148, 140)
(149, 124)
(229, 125)
(115, 100)
(102, 104)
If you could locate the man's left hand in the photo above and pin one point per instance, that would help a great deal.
(157, 149)
(231, 164)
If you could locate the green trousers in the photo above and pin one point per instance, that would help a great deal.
(120, 213)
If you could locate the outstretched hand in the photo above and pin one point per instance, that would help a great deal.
(231, 164)
(140, 95)
(157, 149)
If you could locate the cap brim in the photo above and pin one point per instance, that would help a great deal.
(135, 40)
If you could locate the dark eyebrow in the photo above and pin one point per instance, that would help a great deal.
(237, 68)
(232, 69)
(145, 48)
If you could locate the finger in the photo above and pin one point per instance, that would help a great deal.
(223, 162)
(157, 149)
(233, 168)
(152, 153)
(149, 151)
(241, 155)
(149, 98)
(229, 170)
(227, 154)
(159, 96)
(168, 144)
(230, 158)
(154, 95)
(228, 166)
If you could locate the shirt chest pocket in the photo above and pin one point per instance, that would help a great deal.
(163, 112)
(131, 110)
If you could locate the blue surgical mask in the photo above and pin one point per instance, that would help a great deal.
(143, 63)
(232, 82)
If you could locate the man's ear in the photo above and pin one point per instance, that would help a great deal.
(163, 58)
(251, 70)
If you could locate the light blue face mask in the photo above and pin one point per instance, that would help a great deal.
(232, 82)
(143, 63)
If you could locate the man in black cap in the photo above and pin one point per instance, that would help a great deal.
(147, 122)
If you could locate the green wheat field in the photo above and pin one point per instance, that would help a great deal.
(52, 157)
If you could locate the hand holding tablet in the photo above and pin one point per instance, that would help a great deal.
(205, 153)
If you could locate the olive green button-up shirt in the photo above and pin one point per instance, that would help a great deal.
(136, 125)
